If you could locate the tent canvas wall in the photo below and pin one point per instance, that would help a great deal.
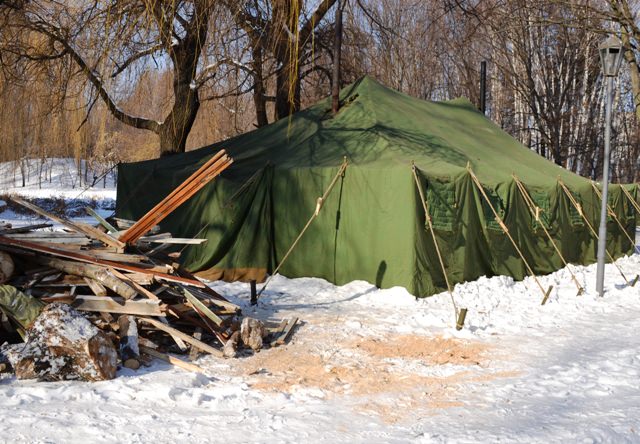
(372, 226)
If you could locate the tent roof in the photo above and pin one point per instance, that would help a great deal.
(378, 127)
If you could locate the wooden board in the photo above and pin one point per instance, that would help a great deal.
(142, 307)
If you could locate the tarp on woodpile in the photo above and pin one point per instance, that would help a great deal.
(373, 226)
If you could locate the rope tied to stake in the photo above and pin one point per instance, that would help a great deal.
(319, 203)
(458, 315)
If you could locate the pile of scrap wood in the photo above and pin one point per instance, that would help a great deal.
(78, 295)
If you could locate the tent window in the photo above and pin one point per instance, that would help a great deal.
(442, 206)
(490, 220)
(541, 200)
(575, 219)
(630, 212)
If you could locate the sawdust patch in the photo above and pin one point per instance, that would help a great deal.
(431, 350)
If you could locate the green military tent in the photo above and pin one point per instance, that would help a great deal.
(372, 224)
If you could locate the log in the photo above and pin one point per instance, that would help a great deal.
(129, 350)
(230, 349)
(6, 267)
(63, 345)
(91, 271)
(252, 332)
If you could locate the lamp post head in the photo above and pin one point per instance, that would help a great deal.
(610, 56)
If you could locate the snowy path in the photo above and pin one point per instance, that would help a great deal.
(578, 384)
(359, 371)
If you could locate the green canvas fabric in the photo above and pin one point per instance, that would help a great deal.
(22, 308)
(372, 225)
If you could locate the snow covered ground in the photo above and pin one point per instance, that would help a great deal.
(379, 366)
(57, 177)
(55, 183)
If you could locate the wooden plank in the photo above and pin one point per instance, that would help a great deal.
(211, 169)
(142, 307)
(141, 278)
(97, 288)
(286, 334)
(88, 230)
(110, 228)
(175, 240)
(171, 360)
(47, 235)
(5, 242)
(141, 226)
(202, 308)
(139, 288)
(25, 229)
(185, 337)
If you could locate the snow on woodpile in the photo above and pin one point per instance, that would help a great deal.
(62, 344)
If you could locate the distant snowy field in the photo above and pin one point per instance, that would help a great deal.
(57, 177)
(54, 180)
(378, 366)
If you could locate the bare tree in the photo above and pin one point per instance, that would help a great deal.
(102, 41)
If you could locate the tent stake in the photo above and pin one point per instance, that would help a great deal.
(547, 294)
(461, 317)
(535, 212)
(593, 231)
(457, 315)
(506, 231)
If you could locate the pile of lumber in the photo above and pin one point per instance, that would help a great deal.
(123, 278)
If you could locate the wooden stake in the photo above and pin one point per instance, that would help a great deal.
(461, 317)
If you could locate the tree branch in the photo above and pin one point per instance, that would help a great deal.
(136, 56)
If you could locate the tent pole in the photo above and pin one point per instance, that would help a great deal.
(593, 231)
(535, 213)
(319, 204)
(459, 321)
(545, 293)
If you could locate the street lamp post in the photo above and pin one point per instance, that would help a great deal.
(610, 58)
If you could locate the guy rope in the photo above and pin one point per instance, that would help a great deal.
(545, 293)
(535, 212)
(319, 204)
(612, 214)
(593, 231)
(458, 315)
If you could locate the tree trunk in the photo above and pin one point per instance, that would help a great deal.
(337, 51)
(287, 88)
(259, 99)
(634, 70)
(175, 129)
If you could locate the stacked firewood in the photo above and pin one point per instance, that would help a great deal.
(78, 295)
